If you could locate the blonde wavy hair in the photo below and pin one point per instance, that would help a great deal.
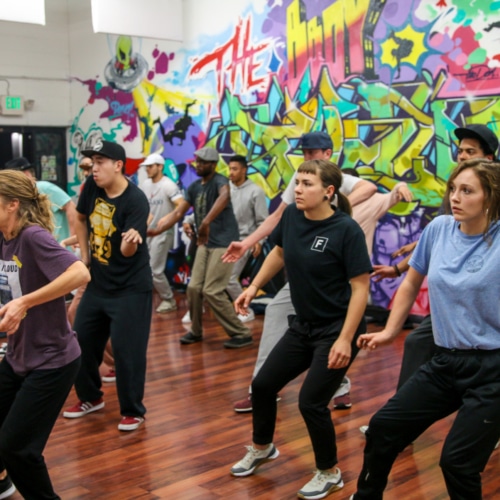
(34, 207)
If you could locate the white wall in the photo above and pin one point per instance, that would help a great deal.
(35, 60)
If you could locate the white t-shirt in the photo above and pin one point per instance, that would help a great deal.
(161, 196)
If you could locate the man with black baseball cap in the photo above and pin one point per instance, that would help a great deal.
(476, 140)
(111, 230)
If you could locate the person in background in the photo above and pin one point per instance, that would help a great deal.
(63, 207)
(250, 210)
(43, 355)
(325, 256)
(315, 145)
(459, 253)
(216, 227)
(117, 304)
(163, 196)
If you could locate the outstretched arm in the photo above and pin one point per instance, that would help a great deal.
(238, 248)
(361, 192)
(405, 297)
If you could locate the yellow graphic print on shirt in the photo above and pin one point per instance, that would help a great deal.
(101, 222)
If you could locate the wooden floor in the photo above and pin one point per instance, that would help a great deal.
(192, 435)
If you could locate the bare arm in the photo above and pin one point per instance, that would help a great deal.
(273, 263)
(381, 272)
(341, 352)
(83, 237)
(166, 222)
(14, 311)
(405, 297)
(237, 248)
(220, 204)
(361, 192)
(71, 215)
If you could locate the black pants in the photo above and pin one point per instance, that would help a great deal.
(301, 347)
(419, 348)
(467, 381)
(29, 407)
(127, 320)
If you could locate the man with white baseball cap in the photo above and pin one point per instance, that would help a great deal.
(163, 196)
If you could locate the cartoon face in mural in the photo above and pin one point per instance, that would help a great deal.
(126, 69)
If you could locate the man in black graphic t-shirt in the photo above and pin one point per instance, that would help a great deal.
(111, 230)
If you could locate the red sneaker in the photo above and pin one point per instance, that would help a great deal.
(109, 377)
(83, 407)
(130, 423)
(244, 406)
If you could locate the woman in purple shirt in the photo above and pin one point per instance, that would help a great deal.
(43, 355)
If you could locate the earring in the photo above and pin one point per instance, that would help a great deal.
(325, 197)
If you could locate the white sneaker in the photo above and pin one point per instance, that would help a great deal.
(249, 317)
(167, 306)
(321, 485)
(253, 459)
(363, 429)
(186, 318)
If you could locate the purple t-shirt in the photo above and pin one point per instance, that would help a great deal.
(44, 339)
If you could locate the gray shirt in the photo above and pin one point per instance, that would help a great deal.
(249, 206)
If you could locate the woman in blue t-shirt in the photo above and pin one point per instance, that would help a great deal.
(460, 254)
(326, 259)
(43, 355)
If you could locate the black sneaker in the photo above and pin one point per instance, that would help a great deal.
(191, 338)
(7, 489)
(237, 342)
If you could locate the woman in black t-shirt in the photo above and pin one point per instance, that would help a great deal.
(326, 259)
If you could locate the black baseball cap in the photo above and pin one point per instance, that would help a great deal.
(20, 163)
(487, 139)
(108, 149)
(316, 140)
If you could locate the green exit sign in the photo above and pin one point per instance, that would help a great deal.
(13, 102)
(12, 105)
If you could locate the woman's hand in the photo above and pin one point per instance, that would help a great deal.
(12, 314)
(370, 341)
(243, 301)
(381, 272)
(340, 354)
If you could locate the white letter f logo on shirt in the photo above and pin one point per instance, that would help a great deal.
(319, 244)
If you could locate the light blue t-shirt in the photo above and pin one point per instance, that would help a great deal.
(464, 284)
(58, 198)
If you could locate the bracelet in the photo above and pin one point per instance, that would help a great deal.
(396, 270)
(253, 284)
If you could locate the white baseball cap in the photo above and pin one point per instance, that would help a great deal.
(153, 159)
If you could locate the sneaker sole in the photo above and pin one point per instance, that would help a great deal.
(189, 342)
(239, 346)
(129, 427)
(68, 414)
(342, 406)
(8, 493)
(243, 410)
(249, 472)
(109, 379)
(335, 487)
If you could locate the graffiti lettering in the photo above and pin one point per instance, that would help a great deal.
(479, 72)
(120, 109)
(237, 59)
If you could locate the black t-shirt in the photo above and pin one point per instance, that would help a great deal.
(224, 228)
(107, 219)
(320, 259)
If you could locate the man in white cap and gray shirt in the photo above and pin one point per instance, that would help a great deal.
(163, 196)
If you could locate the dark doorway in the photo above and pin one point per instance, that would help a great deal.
(44, 147)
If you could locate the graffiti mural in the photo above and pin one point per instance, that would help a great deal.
(388, 80)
